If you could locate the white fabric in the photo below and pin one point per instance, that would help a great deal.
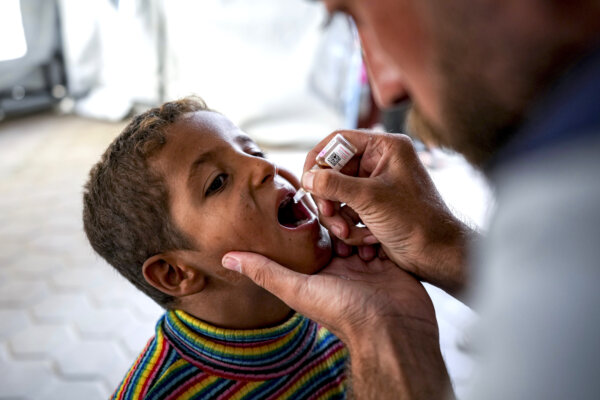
(110, 54)
(13, 43)
(252, 61)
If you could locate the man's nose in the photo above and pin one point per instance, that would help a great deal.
(386, 79)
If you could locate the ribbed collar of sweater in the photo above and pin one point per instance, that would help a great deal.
(254, 354)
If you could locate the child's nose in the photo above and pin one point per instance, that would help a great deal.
(262, 171)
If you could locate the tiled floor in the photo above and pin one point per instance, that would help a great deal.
(70, 326)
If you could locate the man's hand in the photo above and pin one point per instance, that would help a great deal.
(366, 252)
(347, 296)
(382, 313)
(386, 187)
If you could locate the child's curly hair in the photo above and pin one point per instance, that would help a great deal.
(126, 205)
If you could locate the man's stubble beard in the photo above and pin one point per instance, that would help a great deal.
(486, 87)
(473, 124)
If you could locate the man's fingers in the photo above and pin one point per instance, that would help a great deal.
(336, 225)
(350, 215)
(359, 236)
(334, 186)
(367, 253)
(341, 248)
(282, 282)
(344, 229)
(326, 207)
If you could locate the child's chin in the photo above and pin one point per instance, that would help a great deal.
(323, 252)
(310, 254)
(313, 263)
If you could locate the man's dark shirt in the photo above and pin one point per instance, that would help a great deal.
(569, 113)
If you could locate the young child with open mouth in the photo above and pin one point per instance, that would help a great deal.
(176, 190)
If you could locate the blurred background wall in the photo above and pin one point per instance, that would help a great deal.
(255, 61)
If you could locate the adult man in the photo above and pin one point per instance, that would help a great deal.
(514, 85)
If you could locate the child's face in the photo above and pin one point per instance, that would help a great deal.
(226, 196)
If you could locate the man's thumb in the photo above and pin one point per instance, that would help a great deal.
(281, 281)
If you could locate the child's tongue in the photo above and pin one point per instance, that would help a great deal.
(292, 215)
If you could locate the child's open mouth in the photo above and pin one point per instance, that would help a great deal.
(292, 215)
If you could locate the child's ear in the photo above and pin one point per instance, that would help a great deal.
(169, 273)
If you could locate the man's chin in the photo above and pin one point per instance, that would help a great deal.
(417, 126)
(478, 146)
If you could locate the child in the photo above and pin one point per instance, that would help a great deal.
(180, 187)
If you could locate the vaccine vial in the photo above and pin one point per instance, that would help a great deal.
(335, 155)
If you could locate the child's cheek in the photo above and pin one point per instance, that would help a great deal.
(230, 276)
(245, 229)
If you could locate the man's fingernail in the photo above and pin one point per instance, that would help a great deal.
(337, 230)
(319, 206)
(232, 263)
(370, 240)
(307, 180)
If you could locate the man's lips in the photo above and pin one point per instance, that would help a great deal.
(292, 215)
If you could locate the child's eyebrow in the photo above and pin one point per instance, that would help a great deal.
(201, 159)
(243, 139)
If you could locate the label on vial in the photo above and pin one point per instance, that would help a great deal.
(326, 149)
(338, 157)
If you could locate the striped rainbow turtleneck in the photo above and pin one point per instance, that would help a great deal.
(190, 359)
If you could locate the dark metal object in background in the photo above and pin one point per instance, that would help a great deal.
(394, 120)
(36, 81)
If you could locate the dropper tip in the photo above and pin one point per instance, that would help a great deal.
(299, 195)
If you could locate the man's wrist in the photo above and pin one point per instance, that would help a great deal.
(398, 359)
(445, 262)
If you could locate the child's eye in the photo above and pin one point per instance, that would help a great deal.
(259, 154)
(217, 184)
